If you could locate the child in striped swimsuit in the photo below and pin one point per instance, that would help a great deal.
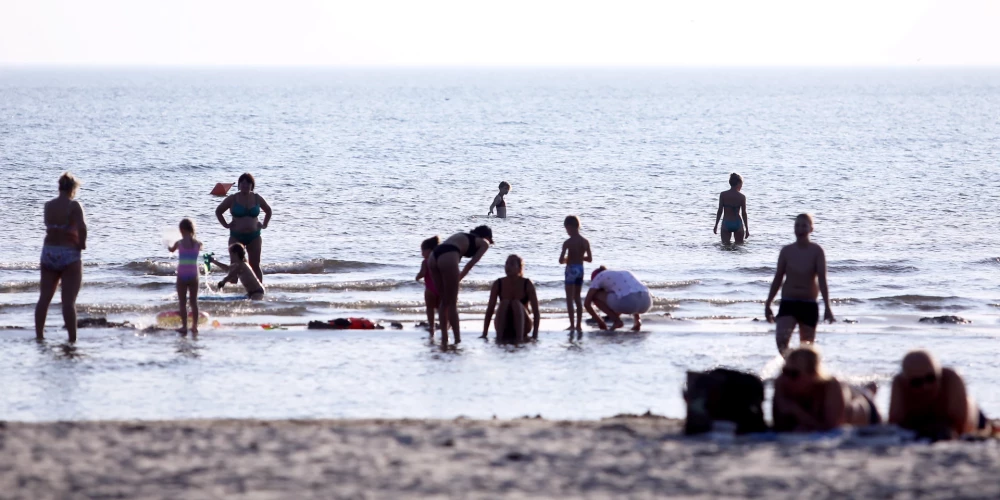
(188, 273)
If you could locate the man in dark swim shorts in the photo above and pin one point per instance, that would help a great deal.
(802, 268)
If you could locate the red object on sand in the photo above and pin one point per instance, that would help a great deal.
(221, 188)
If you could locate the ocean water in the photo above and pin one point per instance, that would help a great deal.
(899, 167)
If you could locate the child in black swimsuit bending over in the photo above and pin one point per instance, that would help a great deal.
(498, 201)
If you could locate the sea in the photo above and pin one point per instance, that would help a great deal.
(899, 167)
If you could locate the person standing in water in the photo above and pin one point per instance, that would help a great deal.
(245, 206)
(65, 238)
(443, 265)
(575, 251)
(498, 201)
(430, 291)
(731, 204)
(802, 268)
(187, 274)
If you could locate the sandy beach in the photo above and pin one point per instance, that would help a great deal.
(621, 457)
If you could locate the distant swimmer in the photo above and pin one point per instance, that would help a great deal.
(188, 274)
(733, 212)
(617, 293)
(240, 271)
(431, 296)
(245, 206)
(575, 251)
(65, 238)
(802, 268)
(498, 201)
(443, 265)
(932, 400)
(515, 293)
(806, 399)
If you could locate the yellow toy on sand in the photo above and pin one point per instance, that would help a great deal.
(172, 319)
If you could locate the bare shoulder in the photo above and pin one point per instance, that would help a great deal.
(950, 376)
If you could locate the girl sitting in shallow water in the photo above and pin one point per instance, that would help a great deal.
(242, 272)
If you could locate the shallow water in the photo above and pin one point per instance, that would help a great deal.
(360, 166)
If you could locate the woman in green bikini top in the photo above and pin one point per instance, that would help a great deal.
(245, 206)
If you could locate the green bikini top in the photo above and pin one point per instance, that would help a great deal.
(241, 211)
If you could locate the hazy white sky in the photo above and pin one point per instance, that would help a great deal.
(511, 32)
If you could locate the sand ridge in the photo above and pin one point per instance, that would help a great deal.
(524, 458)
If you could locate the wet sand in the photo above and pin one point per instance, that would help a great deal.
(526, 458)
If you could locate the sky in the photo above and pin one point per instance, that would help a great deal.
(495, 33)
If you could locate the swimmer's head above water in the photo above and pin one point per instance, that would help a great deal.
(504, 187)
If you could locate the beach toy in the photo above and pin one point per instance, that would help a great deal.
(207, 257)
(221, 188)
(216, 324)
(269, 326)
(172, 319)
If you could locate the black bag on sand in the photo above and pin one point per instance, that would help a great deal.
(724, 394)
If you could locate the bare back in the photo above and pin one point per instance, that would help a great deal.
(63, 222)
(577, 248)
(732, 201)
(802, 266)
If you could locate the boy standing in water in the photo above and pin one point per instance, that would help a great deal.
(499, 202)
(575, 251)
(802, 267)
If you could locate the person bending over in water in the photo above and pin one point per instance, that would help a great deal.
(498, 201)
(430, 291)
(515, 292)
(245, 206)
(731, 203)
(240, 271)
(617, 293)
(806, 399)
(443, 265)
(65, 238)
(802, 268)
(575, 251)
(932, 401)
(187, 274)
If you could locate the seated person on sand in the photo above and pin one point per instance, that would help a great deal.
(515, 292)
(806, 399)
(241, 272)
(617, 293)
(932, 401)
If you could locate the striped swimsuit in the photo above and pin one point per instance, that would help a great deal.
(187, 263)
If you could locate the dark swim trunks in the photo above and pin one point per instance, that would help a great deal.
(804, 311)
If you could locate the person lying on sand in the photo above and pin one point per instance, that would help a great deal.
(617, 293)
(806, 399)
(241, 272)
(802, 268)
(932, 401)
